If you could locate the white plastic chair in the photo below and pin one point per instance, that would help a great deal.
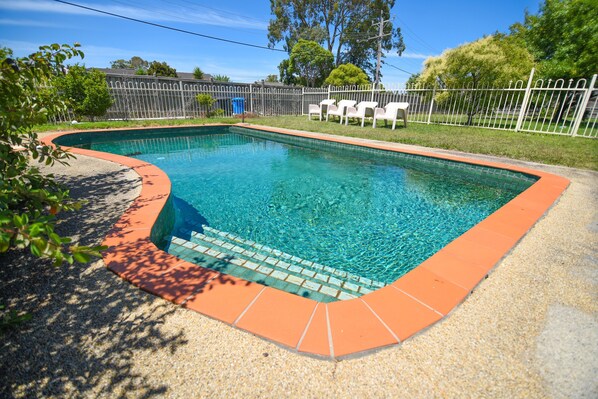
(340, 110)
(318, 109)
(362, 111)
(392, 112)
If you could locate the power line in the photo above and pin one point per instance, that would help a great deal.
(415, 36)
(169, 27)
(396, 67)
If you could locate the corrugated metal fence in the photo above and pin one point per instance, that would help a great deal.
(555, 107)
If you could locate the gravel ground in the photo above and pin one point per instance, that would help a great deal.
(529, 330)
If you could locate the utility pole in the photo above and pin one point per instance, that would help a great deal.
(379, 37)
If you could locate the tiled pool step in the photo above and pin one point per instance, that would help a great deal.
(269, 264)
(364, 282)
(268, 274)
(273, 264)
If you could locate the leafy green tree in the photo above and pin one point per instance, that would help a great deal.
(563, 38)
(197, 73)
(85, 91)
(207, 102)
(286, 76)
(161, 69)
(134, 63)
(272, 78)
(342, 26)
(413, 80)
(221, 78)
(120, 64)
(347, 75)
(29, 199)
(140, 71)
(138, 62)
(490, 61)
(310, 62)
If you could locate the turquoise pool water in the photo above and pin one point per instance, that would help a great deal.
(371, 213)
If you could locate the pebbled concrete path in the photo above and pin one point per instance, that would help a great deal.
(529, 330)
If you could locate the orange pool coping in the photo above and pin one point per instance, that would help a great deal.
(332, 330)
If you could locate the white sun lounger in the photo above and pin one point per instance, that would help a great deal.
(362, 111)
(320, 109)
(392, 112)
(339, 110)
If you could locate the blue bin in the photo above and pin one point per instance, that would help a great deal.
(238, 105)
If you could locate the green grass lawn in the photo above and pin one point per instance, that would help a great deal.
(549, 149)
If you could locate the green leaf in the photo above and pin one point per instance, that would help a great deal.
(81, 257)
(55, 238)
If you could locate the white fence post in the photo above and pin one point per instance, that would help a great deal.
(251, 98)
(263, 104)
(182, 98)
(526, 97)
(582, 107)
(302, 99)
(373, 90)
(431, 105)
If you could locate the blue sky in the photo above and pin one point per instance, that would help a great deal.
(429, 27)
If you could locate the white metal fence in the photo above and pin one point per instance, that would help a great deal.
(157, 98)
(552, 107)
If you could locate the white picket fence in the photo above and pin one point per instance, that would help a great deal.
(551, 107)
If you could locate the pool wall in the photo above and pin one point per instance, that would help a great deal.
(334, 330)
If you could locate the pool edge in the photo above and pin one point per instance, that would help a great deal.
(336, 330)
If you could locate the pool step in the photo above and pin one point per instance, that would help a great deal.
(273, 264)
(234, 240)
(279, 269)
(258, 272)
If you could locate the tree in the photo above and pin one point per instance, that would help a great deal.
(490, 61)
(286, 76)
(197, 73)
(413, 80)
(310, 62)
(221, 78)
(347, 75)
(207, 102)
(85, 91)
(563, 38)
(29, 200)
(120, 64)
(272, 78)
(342, 26)
(134, 63)
(161, 69)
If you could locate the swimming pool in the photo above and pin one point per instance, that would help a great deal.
(333, 330)
(323, 220)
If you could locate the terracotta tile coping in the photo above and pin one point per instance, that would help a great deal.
(381, 318)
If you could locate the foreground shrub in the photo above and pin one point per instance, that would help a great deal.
(29, 200)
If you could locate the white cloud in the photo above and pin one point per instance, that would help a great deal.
(20, 48)
(28, 22)
(172, 14)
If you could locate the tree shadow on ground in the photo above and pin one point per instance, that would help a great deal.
(87, 323)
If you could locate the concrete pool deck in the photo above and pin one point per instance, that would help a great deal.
(528, 330)
(384, 317)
